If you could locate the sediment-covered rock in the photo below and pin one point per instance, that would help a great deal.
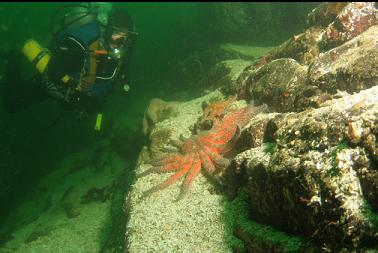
(157, 111)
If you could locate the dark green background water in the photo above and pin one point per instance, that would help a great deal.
(168, 32)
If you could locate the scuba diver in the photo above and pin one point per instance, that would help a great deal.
(88, 55)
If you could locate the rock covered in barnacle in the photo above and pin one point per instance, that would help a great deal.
(352, 66)
(352, 20)
(277, 84)
(325, 13)
(315, 173)
(302, 47)
(287, 85)
(314, 176)
(331, 24)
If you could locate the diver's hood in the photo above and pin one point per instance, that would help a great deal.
(77, 15)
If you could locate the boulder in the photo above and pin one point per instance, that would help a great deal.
(352, 66)
(277, 84)
(314, 175)
(352, 20)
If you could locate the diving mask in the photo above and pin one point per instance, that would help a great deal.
(117, 44)
(118, 39)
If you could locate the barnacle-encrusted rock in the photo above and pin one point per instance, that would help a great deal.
(348, 21)
(277, 84)
(352, 66)
(353, 19)
(316, 172)
(287, 85)
(325, 13)
(314, 178)
(301, 47)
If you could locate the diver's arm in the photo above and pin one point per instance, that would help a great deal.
(67, 57)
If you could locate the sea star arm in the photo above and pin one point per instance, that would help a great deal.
(206, 163)
(192, 173)
(173, 166)
(172, 178)
(219, 160)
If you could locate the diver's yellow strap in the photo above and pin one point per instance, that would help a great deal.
(98, 122)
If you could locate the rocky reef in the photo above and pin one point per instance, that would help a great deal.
(315, 174)
(303, 175)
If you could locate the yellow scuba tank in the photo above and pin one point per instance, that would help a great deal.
(36, 54)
